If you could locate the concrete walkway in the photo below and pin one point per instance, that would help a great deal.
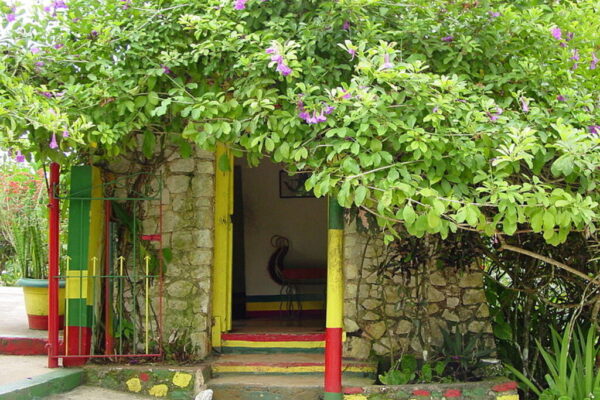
(13, 319)
(16, 368)
(95, 393)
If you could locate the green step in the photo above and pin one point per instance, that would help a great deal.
(274, 387)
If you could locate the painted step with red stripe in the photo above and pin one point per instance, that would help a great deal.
(287, 363)
(23, 346)
(313, 342)
(26, 346)
(275, 387)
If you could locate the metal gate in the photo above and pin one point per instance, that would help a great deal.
(112, 271)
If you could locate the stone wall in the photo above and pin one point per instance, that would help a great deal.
(187, 230)
(406, 313)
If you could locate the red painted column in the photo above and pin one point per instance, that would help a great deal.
(53, 269)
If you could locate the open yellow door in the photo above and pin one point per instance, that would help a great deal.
(222, 266)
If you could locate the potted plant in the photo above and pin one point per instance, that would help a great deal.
(31, 255)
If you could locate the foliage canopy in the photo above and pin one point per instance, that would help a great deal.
(441, 115)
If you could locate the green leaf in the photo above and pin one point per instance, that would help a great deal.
(360, 194)
(433, 220)
(409, 214)
(223, 163)
(148, 144)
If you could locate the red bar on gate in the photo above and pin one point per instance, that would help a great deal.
(154, 238)
(53, 269)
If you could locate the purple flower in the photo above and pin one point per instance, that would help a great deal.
(563, 44)
(126, 4)
(240, 4)
(47, 95)
(65, 133)
(494, 14)
(448, 38)
(557, 33)
(93, 34)
(284, 69)
(346, 26)
(328, 109)
(435, 110)
(35, 50)
(58, 46)
(271, 50)
(166, 69)
(346, 95)
(494, 117)
(524, 105)
(575, 66)
(53, 144)
(594, 129)
(277, 58)
(386, 63)
(19, 157)
(575, 55)
(570, 36)
(11, 17)
(560, 97)
(594, 61)
(311, 120)
(320, 117)
(40, 64)
(58, 4)
(304, 115)
(48, 9)
(352, 52)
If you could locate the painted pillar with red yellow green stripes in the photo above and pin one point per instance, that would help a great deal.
(335, 302)
(84, 250)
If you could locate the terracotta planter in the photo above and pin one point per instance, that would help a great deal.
(36, 302)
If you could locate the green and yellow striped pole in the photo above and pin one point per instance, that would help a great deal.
(335, 302)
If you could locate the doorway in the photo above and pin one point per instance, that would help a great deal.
(268, 204)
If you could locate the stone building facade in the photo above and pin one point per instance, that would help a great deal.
(402, 314)
(187, 231)
(381, 315)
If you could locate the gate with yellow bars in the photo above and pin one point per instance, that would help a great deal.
(113, 271)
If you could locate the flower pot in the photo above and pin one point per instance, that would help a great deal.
(35, 292)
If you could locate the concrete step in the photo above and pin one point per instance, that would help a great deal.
(57, 381)
(287, 363)
(313, 342)
(97, 393)
(275, 387)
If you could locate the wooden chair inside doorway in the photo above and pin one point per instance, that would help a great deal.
(291, 277)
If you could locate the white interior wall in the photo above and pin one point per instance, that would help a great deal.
(302, 220)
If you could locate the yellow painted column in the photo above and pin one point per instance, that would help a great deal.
(221, 274)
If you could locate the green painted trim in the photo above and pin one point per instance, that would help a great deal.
(333, 396)
(80, 314)
(79, 218)
(58, 381)
(43, 283)
(336, 214)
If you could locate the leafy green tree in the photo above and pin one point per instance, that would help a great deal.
(438, 115)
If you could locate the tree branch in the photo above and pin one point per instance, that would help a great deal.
(551, 261)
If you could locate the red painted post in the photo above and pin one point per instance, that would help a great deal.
(108, 333)
(53, 270)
